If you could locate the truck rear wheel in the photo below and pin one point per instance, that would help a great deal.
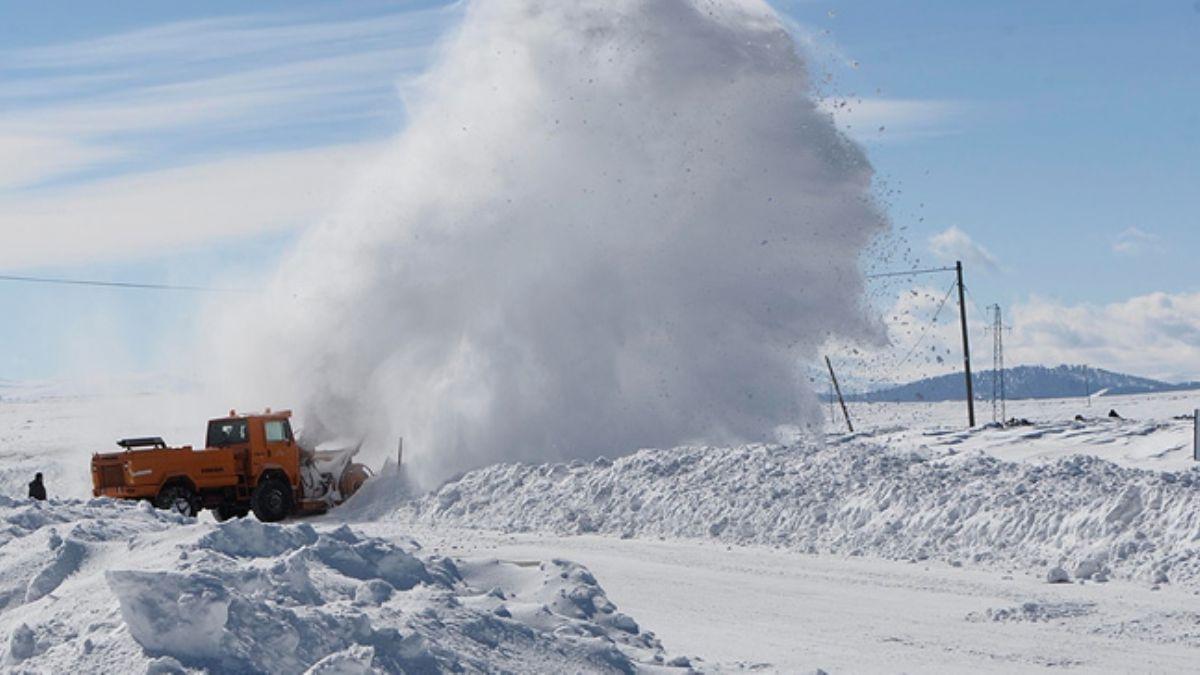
(271, 501)
(177, 498)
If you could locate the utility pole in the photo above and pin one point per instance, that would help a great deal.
(999, 403)
(962, 311)
(1087, 385)
(838, 389)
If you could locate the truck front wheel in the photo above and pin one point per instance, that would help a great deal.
(177, 498)
(271, 501)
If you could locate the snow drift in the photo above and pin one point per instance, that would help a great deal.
(1092, 517)
(100, 586)
(607, 224)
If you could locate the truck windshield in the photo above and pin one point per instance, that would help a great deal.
(222, 433)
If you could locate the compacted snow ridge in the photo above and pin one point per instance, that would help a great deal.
(100, 586)
(1094, 518)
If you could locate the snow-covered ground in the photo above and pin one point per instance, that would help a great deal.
(1152, 433)
(99, 586)
(913, 545)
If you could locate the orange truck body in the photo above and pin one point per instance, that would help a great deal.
(244, 452)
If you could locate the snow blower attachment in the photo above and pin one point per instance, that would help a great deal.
(250, 463)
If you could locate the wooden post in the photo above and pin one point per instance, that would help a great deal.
(838, 389)
(962, 311)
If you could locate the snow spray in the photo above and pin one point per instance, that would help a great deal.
(607, 225)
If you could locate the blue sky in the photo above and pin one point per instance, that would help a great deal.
(1054, 148)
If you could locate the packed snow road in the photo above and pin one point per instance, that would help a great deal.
(749, 607)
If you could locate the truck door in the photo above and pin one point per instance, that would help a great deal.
(281, 447)
(233, 434)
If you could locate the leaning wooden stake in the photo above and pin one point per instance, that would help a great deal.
(1196, 435)
(838, 389)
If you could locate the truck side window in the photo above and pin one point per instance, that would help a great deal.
(276, 431)
(222, 433)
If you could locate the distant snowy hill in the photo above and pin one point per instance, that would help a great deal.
(95, 385)
(1026, 382)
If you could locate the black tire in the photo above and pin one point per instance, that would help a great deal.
(226, 511)
(271, 501)
(178, 498)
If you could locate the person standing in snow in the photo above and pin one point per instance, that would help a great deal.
(37, 490)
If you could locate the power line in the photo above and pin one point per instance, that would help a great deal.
(962, 305)
(971, 296)
(925, 331)
(119, 284)
(910, 273)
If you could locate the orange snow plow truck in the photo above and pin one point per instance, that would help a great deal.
(249, 463)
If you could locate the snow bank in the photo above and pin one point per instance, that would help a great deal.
(1090, 516)
(133, 589)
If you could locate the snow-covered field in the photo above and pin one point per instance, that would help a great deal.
(1155, 432)
(104, 587)
(912, 545)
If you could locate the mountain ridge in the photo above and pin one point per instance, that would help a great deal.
(1024, 382)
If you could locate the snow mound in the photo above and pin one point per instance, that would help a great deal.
(136, 590)
(249, 538)
(1084, 514)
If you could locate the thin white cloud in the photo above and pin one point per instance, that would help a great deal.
(1135, 241)
(156, 212)
(1155, 335)
(135, 100)
(30, 159)
(227, 38)
(953, 244)
(871, 120)
(319, 86)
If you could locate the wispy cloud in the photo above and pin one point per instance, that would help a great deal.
(158, 212)
(1135, 241)
(186, 133)
(876, 120)
(31, 158)
(173, 94)
(953, 244)
(866, 119)
(231, 38)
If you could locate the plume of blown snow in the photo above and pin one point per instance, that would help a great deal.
(608, 224)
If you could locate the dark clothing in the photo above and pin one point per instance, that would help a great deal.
(37, 490)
